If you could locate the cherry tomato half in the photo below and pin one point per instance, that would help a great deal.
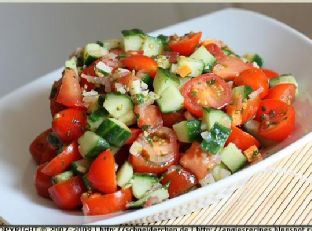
(283, 92)
(70, 93)
(186, 44)
(42, 182)
(66, 195)
(141, 63)
(269, 73)
(101, 173)
(197, 162)
(241, 139)
(207, 90)
(254, 78)
(149, 116)
(69, 124)
(63, 160)
(40, 148)
(135, 132)
(98, 204)
(181, 181)
(159, 152)
(277, 119)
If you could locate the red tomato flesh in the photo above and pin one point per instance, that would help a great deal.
(102, 173)
(186, 44)
(283, 92)
(70, 92)
(269, 73)
(135, 132)
(99, 204)
(172, 118)
(159, 152)
(277, 119)
(66, 195)
(181, 181)
(42, 182)
(254, 78)
(63, 160)
(207, 90)
(141, 63)
(148, 116)
(40, 148)
(69, 124)
(197, 162)
(241, 139)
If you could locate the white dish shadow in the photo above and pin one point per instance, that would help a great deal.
(25, 113)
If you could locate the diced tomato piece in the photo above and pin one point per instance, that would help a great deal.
(230, 67)
(69, 124)
(141, 63)
(269, 73)
(42, 182)
(102, 173)
(66, 195)
(40, 148)
(181, 181)
(149, 116)
(55, 107)
(172, 118)
(241, 139)
(63, 160)
(158, 153)
(197, 162)
(135, 132)
(254, 78)
(186, 44)
(70, 93)
(99, 204)
(215, 50)
(283, 92)
(207, 90)
(277, 119)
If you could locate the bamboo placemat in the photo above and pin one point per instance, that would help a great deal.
(279, 195)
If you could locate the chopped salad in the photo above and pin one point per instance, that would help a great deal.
(141, 119)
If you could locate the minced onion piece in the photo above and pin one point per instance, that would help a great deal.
(203, 126)
(120, 88)
(204, 135)
(230, 83)
(136, 148)
(255, 93)
(90, 100)
(188, 116)
(99, 80)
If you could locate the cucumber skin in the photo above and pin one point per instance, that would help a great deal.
(101, 146)
(233, 158)
(114, 134)
(140, 180)
(217, 137)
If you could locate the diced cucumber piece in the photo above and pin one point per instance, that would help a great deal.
(72, 64)
(87, 183)
(114, 131)
(142, 183)
(189, 67)
(202, 54)
(175, 101)
(64, 176)
(215, 139)
(227, 51)
(286, 78)
(133, 39)
(124, 174)
(147, 79)
(164, 79)
(232, 157)
(152, 46)
(208, 179)
(112, 43)
(134, 31)
(254, 58)
(212, 116)
(80, 167)
(114, 149)
(90, 145)
(96, 118)
(120, 107)
(92, 52)
(160, 195)
(187, 131)
(162, 61)
(241, 92)
(220, 172)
